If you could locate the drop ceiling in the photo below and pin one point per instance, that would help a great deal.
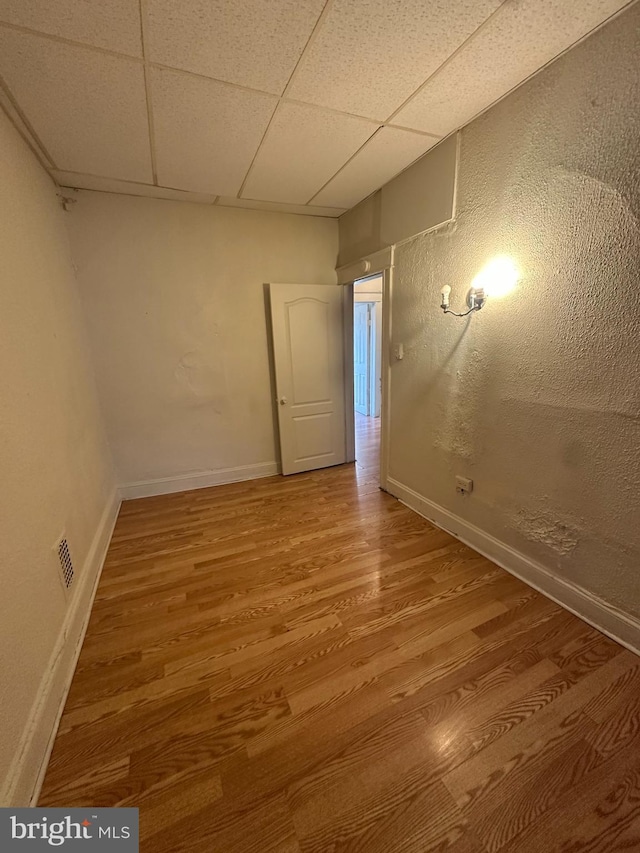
(300, 105)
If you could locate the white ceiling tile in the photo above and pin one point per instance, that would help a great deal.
(278, 207)
(519, 39)
(206, 133)
(112, 24)
(390, 151)
(87, 107)
(304, 148)
(73, 181)
(252, 42)
(369, 57)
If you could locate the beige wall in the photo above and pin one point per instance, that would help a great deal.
(174, 298)
(537, 397)
(54, 462)
(421, 197)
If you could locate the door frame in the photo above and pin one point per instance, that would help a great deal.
(379, 262)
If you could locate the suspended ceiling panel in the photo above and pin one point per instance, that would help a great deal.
(111, 24)
(369, 57)
(520, 39)
(250, 42)
(302, 150)
(110, 185)
(88, 107)
(268, 102)
(206, 133)
(388, 152)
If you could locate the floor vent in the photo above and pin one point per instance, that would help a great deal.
(66, 564)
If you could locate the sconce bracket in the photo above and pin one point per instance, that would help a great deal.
(476, 298)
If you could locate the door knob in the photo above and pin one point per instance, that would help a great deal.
(283, 401)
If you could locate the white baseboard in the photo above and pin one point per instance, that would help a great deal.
(589, 607)
(186, 482)
(26, 775)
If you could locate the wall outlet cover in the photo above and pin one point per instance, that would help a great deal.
(464, 486)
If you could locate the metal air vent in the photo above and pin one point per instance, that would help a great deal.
(65, 564)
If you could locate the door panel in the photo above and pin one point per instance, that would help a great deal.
(307, 325)
(309, 365)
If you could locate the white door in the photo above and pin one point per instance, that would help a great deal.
(361, 356)
(375, 359)
(308, 348)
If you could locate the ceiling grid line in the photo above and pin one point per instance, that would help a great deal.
(389, 177)
(161, 66)
(257, 151)
(28, 141)
(333, 110)
(302, 105)
(120, 180)
(437, 136)
(148, 93)
(71, 42)
(473, 116)
(286, 161)
(36, 142)
(288, 83)
(611, 8)
(152, 64)
(451, 56)
(312, 37)
(345, 164)
(140, 196)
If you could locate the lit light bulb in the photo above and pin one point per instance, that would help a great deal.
(498, 278)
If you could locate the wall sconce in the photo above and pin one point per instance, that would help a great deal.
(497, 278)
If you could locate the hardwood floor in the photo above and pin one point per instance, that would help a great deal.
(367, 448)
(303, 664)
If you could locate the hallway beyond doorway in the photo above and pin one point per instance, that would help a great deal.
(367, 448)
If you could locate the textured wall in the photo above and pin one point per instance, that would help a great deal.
(537, 397)
(54, 463)
(174, 298)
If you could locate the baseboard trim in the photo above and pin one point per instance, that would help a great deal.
(187, 482)
(579, 601)
(26, 775)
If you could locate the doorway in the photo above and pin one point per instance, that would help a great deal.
(367, 372)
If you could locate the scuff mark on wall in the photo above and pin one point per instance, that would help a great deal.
(199, 378)
(544, 528)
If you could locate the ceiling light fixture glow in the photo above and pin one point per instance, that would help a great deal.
(498, 278)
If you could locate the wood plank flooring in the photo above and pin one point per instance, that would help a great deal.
(303, 664)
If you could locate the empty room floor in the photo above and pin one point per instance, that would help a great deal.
(305, 664)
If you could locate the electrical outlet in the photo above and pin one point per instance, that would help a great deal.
(464, 486)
